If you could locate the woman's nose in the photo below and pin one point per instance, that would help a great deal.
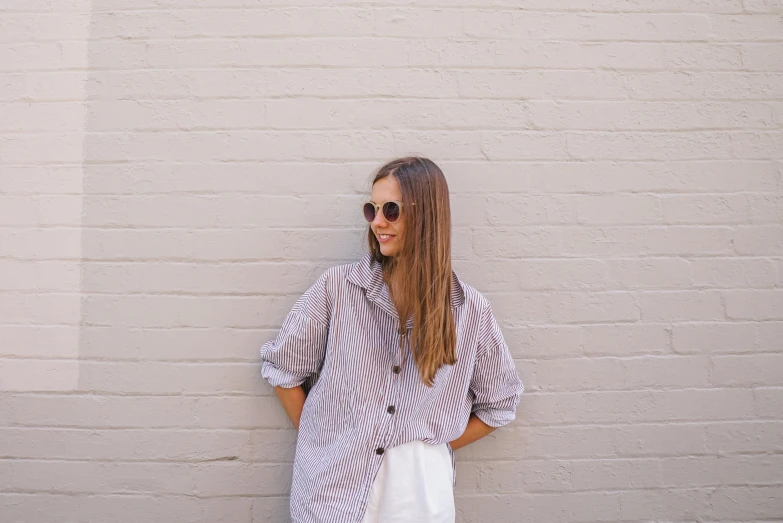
(379, 221)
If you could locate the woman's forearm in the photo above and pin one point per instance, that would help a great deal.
(292, 400)
(475, 430)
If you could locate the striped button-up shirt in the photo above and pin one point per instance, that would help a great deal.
(341, 341)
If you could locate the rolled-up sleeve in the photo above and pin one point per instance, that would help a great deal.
(298, 350)
(495, 384)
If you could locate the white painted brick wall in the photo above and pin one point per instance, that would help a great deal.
(174, 173)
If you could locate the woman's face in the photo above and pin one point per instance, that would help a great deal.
(389, 235)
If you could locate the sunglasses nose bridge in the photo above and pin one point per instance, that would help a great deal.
(379, 218)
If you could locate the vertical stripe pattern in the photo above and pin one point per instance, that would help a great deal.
(342, 339)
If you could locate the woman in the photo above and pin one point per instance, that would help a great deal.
(392, 398)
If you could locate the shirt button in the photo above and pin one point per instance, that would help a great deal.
(396, 369)
(391, 409)
(379, 450)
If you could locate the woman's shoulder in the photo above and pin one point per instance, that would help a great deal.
(338, 275)
(474, 299)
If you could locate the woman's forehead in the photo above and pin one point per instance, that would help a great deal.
(385, 189)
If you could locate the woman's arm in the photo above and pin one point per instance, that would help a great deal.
(292, 399)
(475, 430)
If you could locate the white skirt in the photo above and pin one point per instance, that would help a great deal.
(413, 485)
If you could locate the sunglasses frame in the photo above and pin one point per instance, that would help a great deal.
(380, 206)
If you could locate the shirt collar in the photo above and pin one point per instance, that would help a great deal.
(368, 274)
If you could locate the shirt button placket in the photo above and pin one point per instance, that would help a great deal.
(391, 409)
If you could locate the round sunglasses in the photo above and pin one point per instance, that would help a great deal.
(391, 210)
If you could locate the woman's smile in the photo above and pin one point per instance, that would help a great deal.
(383, 238)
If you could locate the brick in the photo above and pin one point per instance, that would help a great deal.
(625, 339)
(61, 243)
(46, 341)
(144, 444)
(40, 308)
(186, 311)
(617, 474)
(31, 179)
(650, 273)
(668, 503)
(593, 307)
(669, 439)
(696, 85)
(38, 375)
(715, 337)
(171, 344)
(759, 240)
(745, 27)
(462, 145)
(764, 208)
(762, 502)
(42, 117)
(665, 372)
(171, 378)
(749, 470)
(656, 241)
(534, 274)
(96, 411)
(505, 477)
(594, 27)
(54, 508)
(556, 507)
(516, 242)
(756, 144)
(317, 113)
(744, 437)
(640, 6)
(194, 146)
(650, 177)
(578, 374)
(734, 273)
(768, 402)
(83, 477)
(762, 6)
(762, 56)
(652, 116)
(542, 84)
(754, 304)
(639, 406)
(681, 306)
(222, 245)
(273, 508)
(201, 278)
(228, 211)
(748, 370)
(526, 210)
(649, 146)
(277, 178)
(697, 209)
(619, 209)
(412, 23)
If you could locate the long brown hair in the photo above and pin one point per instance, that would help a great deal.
(425, 260)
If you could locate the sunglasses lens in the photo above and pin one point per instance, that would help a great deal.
(391, 211)
(369, 211)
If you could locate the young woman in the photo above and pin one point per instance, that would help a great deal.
(387, 365)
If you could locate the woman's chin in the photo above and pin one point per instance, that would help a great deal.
(388, 250)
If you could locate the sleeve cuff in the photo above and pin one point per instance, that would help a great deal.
(495, 418)
(280, 378)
